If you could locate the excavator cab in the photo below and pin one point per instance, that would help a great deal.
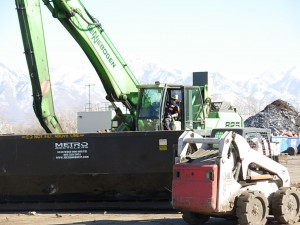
(152, 103)
(150, 106)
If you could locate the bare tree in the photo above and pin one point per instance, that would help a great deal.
(249, 106)
(68, 120)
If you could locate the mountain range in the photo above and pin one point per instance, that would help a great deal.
(73, 88)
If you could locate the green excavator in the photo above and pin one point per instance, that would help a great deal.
(130, 167)
(197, 110)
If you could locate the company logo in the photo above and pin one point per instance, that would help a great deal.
(72, 145)
(96, 39)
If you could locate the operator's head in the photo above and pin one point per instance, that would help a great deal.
(174, 98)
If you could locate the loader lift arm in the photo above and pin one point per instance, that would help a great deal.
(118, 81)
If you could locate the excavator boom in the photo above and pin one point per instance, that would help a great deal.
(119, 82)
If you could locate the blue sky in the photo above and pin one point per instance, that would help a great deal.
(239, 39)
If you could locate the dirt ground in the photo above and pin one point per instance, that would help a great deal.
(293, 165)
(92, 218)
(105, 218)
(127, 217)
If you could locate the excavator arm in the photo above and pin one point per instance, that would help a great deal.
(119, 82)
(35, 51)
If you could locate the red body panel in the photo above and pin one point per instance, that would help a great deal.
(194, 187)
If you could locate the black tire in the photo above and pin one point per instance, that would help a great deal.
(194, 218)
(292, 151)
(286, 205)
(252, 208)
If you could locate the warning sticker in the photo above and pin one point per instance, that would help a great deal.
(163, 144)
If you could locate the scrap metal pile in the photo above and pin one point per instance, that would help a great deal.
(278, 116)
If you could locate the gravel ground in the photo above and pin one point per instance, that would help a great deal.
(106, 218)
(92, 217)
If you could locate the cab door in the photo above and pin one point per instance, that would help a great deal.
(193, 108)
(179, 91)
(151, 102)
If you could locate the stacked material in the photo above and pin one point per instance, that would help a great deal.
(278, 116)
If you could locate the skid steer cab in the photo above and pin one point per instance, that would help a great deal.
(225, 177)
(258, 139)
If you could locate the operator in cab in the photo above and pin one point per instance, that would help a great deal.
(171, 113)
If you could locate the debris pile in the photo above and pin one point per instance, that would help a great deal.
(279, 116)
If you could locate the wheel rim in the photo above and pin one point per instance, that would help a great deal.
(292, 205)
(257, 210)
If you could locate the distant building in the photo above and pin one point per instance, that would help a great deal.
(95, 119)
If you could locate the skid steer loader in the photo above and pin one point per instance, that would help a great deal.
(225, 177)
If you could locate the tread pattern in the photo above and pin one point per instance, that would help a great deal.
(286, 205)
(252, 208)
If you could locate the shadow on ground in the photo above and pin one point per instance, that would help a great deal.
(167, 221)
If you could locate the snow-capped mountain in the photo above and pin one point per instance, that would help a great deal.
(71, 91)
(260, 91)
(15, 91)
